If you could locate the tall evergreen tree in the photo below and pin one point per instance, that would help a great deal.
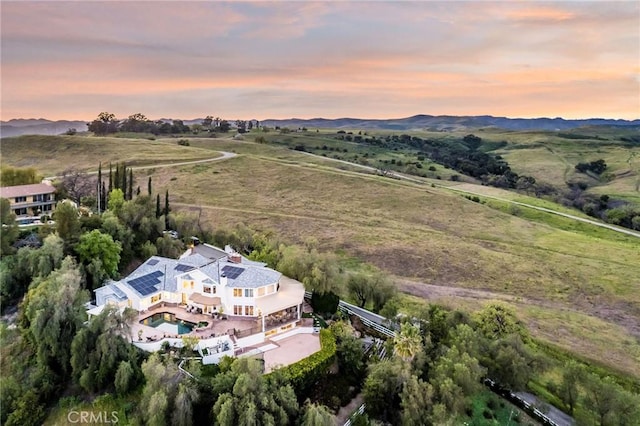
(110, 178)
(158, 211)
(99, 197)
(149, 186)
(116, 178)
(137, 191)
(130, 184)
(124, 180)
(166, 210)
(103, 200)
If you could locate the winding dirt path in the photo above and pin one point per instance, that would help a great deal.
(225, 156)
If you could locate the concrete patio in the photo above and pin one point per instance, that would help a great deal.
(290, 350)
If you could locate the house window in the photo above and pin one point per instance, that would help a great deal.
(248, 292)
(155, 298)
(206, 289)
(261, 291)
(187, 284)
(21, 199)
(41, 197)
(271, 289)
(21, 212)
(47, 208)
(237, 292)
(248, 310)
(237, 309)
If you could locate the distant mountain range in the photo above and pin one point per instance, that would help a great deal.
(449, 122)
(39, 126)
(42, 126)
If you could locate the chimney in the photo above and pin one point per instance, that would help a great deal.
(223, 280)
(235, 258)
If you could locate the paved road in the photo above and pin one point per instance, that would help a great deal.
(373, 317)
(415, 180)
(225, 155)
(557, 416)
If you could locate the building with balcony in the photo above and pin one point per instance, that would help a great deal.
(207, 292)
(30, 201)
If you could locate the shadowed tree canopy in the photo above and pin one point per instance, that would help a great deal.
(250, 398)
(53, 310)
(10, 232)
(67, 223)
(105, 123)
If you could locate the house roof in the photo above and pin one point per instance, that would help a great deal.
(161, 273)
(252, 276)
(167, 270)
(291, 293)
(208, 251)
(26, 190)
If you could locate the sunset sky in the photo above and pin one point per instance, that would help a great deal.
(241, 60)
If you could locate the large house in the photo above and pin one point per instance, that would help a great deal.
(30, 200)
(210, 282)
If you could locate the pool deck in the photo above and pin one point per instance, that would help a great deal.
(215, 327)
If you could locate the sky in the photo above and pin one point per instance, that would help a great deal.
(260, 60)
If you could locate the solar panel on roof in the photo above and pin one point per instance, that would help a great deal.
(232, 272)
(183, 268)
(146, 284)
(153, 262)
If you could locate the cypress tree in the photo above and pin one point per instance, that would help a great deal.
(137, 191)
(158, 211)
(103, 201)
(166, 210)
(149, 186)
(124, 181)
(99, 197)
(110, 178)
(116, 177)
(131, 184)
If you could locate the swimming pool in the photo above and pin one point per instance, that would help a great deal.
(167, 322)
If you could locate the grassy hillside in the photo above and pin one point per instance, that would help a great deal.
(552, 156)
(575, 286)
(51, 155)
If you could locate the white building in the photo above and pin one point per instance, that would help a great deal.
(212, 282)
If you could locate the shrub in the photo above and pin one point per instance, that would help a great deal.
(325, 303)
(183, 142)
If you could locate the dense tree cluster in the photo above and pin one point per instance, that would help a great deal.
(597, 167)
(106, 123)
(10, 176)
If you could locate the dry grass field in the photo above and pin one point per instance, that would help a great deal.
(51, 155)
(574, 286)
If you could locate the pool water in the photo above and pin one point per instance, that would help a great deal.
(167, 322)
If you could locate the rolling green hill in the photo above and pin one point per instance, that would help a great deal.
(576, 286)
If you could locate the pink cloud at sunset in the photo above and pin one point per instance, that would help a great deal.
(72, 60)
